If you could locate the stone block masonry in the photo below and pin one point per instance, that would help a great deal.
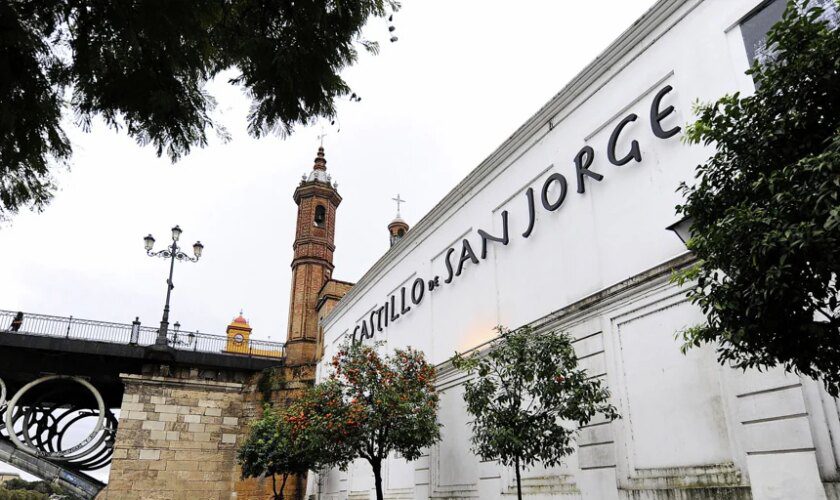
(283, 386)
(177, 439)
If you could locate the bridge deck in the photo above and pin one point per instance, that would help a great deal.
(101, 351)
(133, 334)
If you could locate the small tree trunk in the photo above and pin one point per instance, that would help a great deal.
(518, 480)
(283, 485)
(376, 465)
(274, 486)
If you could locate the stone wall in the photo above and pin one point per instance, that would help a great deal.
(279, 388)
(177, 439)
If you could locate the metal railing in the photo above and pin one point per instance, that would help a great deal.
(44, 325)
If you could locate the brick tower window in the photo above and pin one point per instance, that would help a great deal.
(320, 216)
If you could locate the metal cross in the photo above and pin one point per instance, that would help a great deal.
(321, 136)
(398, 200)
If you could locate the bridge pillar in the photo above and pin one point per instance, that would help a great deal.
(279, 387)
(177, 436)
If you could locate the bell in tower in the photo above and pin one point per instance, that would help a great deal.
(317, 199)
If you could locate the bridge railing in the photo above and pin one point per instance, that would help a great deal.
(69, 327)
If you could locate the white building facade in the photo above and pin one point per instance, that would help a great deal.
(563, 228)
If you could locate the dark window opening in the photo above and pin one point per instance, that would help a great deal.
(320, 215)
(401, 233)
(754, 30)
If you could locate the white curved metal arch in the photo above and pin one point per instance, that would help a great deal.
(63, 455)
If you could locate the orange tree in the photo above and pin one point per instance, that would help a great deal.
(272, 448)
(373, 405)
(523, 394)
(290, 441)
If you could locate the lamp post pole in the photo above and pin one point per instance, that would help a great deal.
(172, 253)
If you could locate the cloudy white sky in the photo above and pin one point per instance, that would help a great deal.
(463, 76)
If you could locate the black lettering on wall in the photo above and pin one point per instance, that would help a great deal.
(372, 323)
(555, 177)
(466, 254)
(656, 116)
(634, 154)
(394, 313)
(504, 239)
(403, 308)
(379, 318)
(583, 160)
(418, 288)
(531, 213)
(449, 265)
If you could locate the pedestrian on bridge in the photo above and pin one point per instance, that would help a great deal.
(17, 322)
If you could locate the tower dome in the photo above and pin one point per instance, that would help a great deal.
(238, 334)
(319, 169)
(397, 228)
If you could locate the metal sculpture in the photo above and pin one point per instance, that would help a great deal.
(38, 419)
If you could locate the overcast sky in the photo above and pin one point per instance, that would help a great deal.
(462, 77)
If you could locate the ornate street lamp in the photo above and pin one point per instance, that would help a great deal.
(172, 253)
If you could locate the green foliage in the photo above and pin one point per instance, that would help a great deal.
(375, 405)
(765, 210)
(526, 390)
(17, 484)
(15, 494)
(327, 422)
(269, 380)
(18, 489)
(142, 66)
(276, 446)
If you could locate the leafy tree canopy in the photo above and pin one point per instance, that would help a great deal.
(765, 209)
(142, 66)
(18, 489)
(525, 392)
(378, 405)
(275, 445)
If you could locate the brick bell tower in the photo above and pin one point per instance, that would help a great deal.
(317, 199)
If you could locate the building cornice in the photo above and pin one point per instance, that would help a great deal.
(313, 188)
(313, 260)
(313, 240)
(654, 23)
(605, 298)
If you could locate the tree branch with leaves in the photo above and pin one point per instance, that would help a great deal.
(143, 66)
(765, 209)
(379, 405)
(527, 397)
